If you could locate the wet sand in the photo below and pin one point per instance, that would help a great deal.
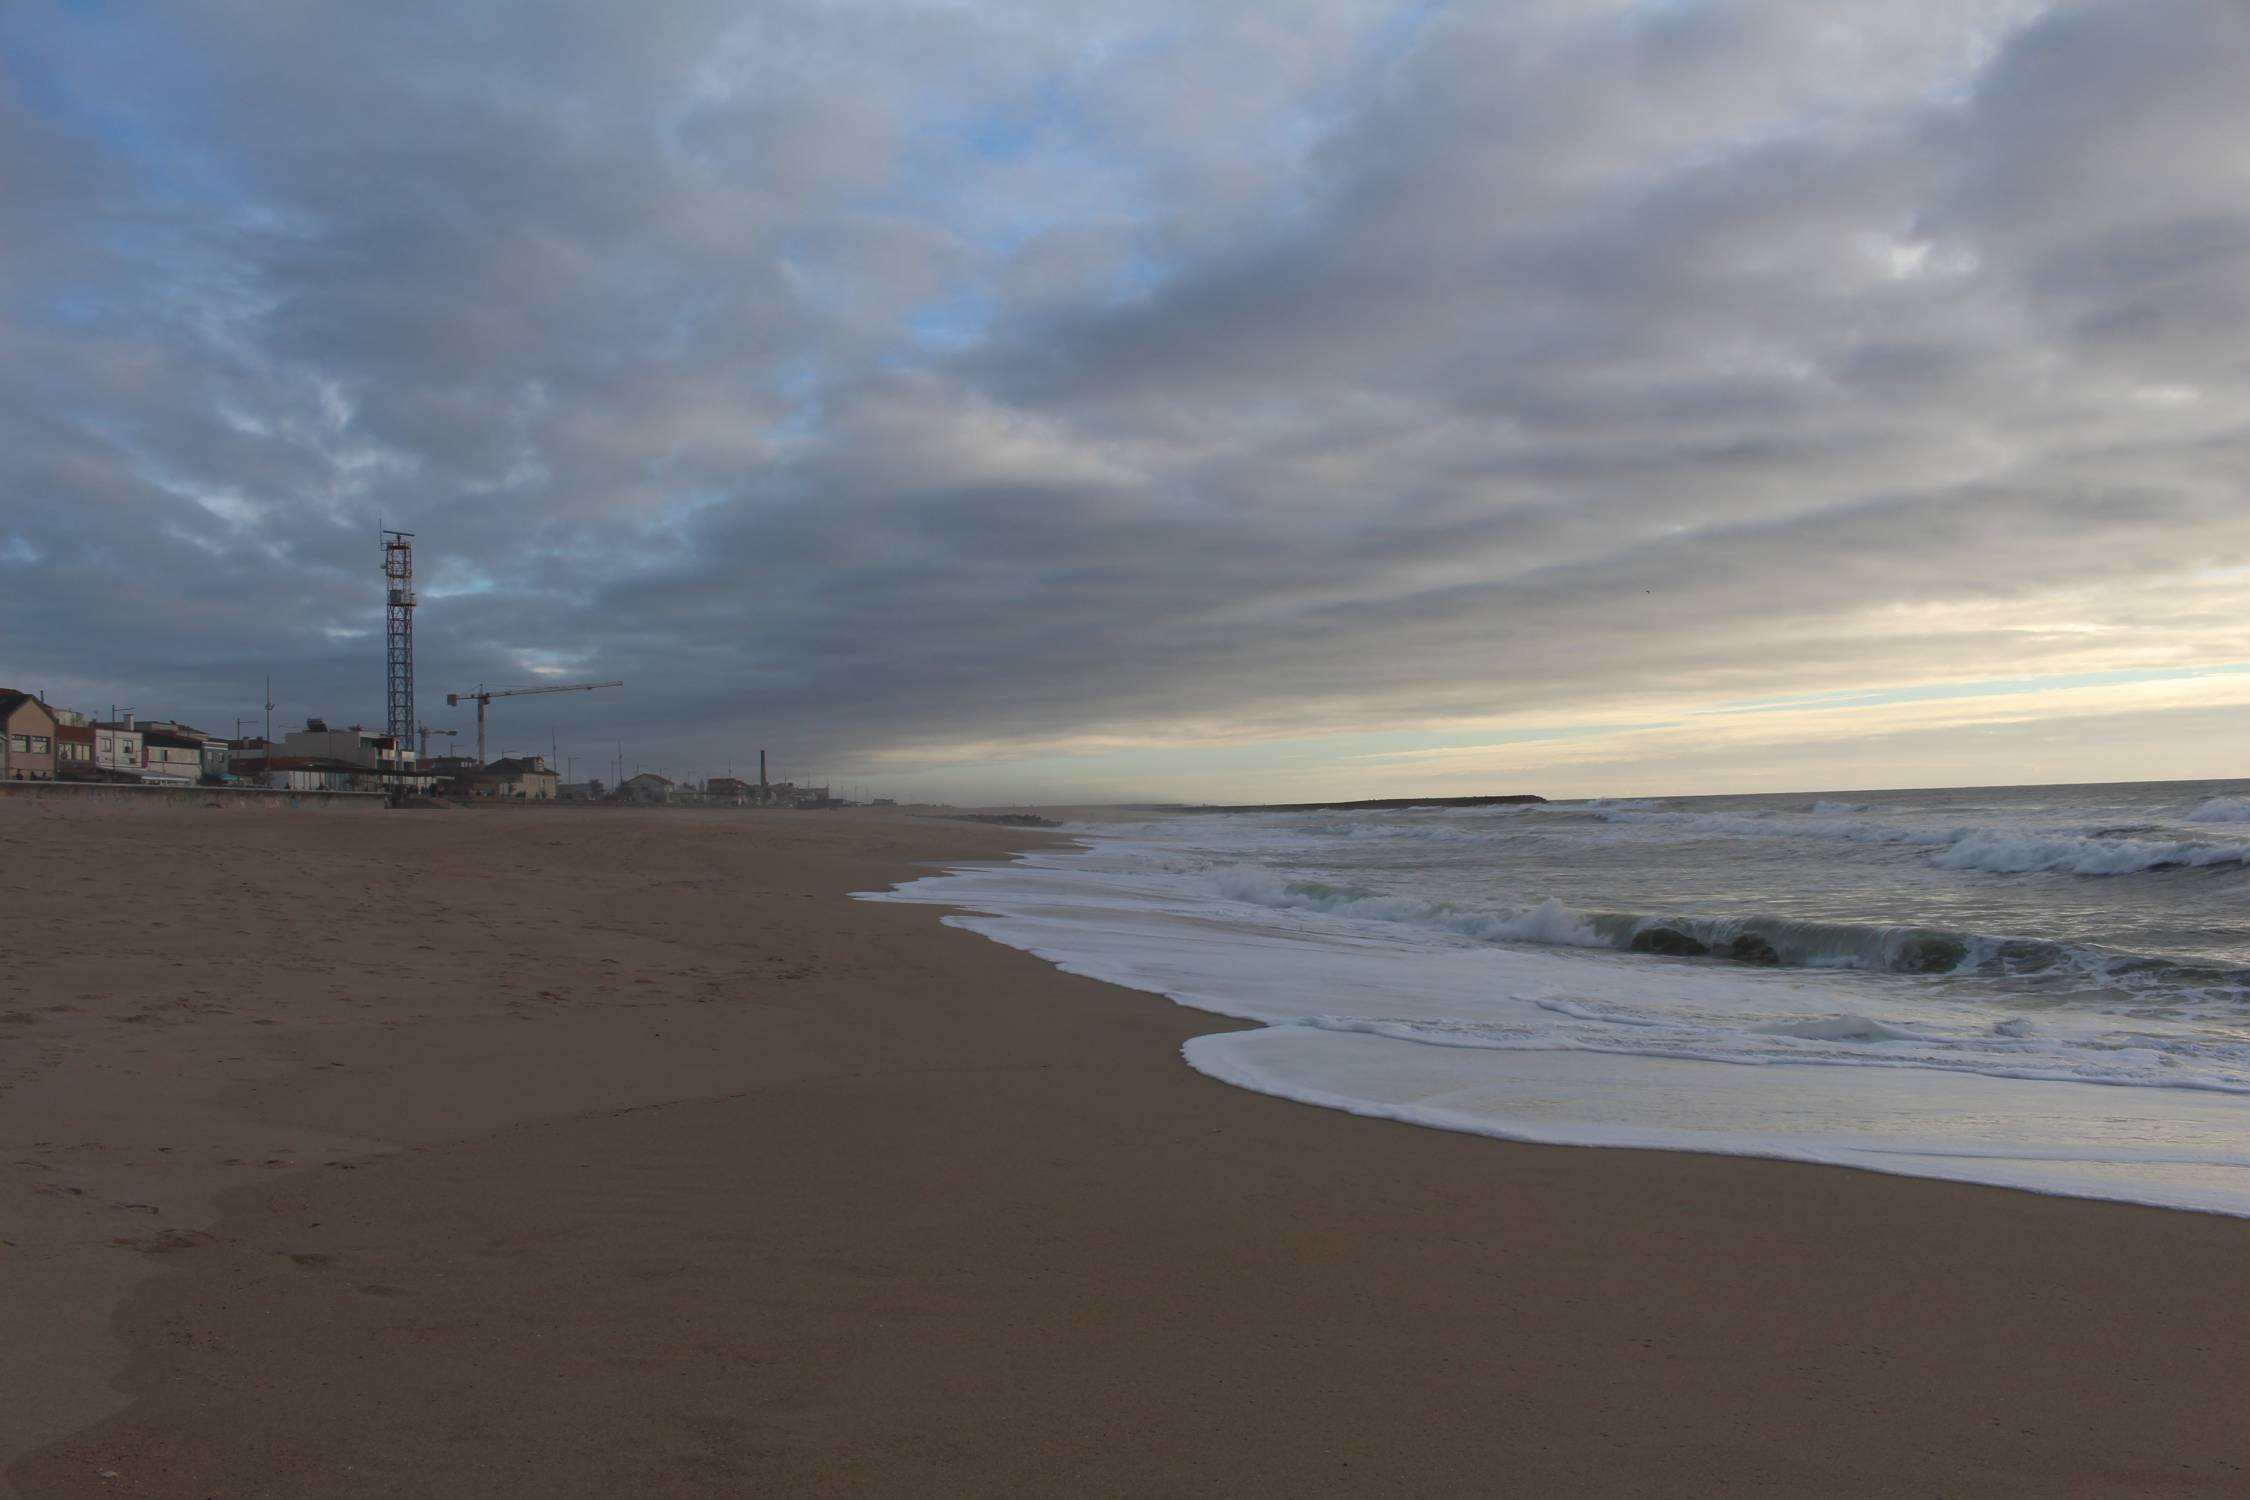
(549, 1153)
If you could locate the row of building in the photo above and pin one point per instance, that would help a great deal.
(40, 742)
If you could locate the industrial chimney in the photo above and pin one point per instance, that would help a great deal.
(761, 770)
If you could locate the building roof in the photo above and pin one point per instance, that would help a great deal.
(174, 726)
(648, 776)
(11, 700)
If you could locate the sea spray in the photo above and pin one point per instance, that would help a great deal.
(2222, 810)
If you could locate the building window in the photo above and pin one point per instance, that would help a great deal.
(20, 744)
(39, 744)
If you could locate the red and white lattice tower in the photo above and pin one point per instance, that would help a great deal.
(398, 636)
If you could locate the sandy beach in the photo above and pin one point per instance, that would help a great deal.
(601, 1153)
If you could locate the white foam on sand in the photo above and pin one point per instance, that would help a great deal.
(1501, 1033)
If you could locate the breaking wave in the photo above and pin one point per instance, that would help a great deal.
(1755, 940)
(2008, 852)
(1549, 922)
(2005, 851)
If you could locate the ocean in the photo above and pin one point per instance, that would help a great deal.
(2038, 987)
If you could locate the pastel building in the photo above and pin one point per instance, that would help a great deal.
(27, 738)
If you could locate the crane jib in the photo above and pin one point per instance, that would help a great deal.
(483, 696)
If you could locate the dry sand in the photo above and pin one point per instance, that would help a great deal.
(616, 1154)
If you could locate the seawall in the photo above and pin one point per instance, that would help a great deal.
(118, 794)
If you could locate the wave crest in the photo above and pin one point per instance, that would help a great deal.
(1550, 922)
(2007, 852)
(2003, 851)
(1759, 941)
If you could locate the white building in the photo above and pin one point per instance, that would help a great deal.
(171, 759)
(117, 747)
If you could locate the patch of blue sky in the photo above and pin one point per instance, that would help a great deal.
(67, 74)
(1044, 128)
(1988, 688)
(957, 320)
(1009, 132)
(458, 583)
(1139, 277)
(179, 192)
(1052, 109)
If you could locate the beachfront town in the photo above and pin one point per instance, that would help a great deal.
(40, 741)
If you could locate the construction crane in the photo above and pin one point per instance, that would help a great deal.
(427, 732)
(483, 696)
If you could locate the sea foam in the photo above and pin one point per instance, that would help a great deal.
(2032, 1061)
(1548, 922)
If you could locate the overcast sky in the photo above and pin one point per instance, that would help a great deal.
(1068, 398)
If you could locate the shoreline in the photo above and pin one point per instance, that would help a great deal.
(979, 918)
(1326, 1037)
(895, 1207)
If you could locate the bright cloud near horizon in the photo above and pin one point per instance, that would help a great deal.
(1046, 401)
